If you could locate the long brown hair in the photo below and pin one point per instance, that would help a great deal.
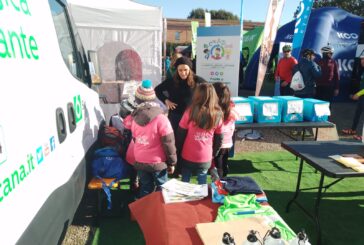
(190, 78)
(205, 110)
(223, 92)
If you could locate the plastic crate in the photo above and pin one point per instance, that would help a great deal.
(244, 108)
(316, 110)
(266, 109)
(292, 108)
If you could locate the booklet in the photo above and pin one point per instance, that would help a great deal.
(178, 191)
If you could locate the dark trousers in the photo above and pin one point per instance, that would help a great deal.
(174, 119)
(221, 162)
(286, 90)
(358, 111)
(325, 93)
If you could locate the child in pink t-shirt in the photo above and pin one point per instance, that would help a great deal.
(153, 140)
(228, 128)
(199, 135)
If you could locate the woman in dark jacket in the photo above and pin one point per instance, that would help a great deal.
(177, 92)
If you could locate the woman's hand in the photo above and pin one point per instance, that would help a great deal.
(170, 105)
(354, 97)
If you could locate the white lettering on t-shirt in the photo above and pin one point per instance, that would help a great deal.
(202, 136)
(143, 140)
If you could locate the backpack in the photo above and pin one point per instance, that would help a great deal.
(112, 137)
(297, 82)
(107, 163)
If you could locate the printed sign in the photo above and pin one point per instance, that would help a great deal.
(77, 103)
(218, 55)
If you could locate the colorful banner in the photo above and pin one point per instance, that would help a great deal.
(218, 55)
(270, 31)
(251, 41)
(303, 15)
(194, 25)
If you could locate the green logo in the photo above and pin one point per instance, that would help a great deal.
(77, 106)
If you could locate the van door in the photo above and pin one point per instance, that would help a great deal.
(49, 121)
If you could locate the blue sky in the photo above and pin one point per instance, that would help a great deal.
(254, 10)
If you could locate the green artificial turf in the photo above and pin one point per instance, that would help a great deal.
(341, 209)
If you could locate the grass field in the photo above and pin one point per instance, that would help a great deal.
(341, 210)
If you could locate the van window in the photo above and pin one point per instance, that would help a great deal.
(71, 47)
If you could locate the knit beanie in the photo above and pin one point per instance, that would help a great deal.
(145, 92)
(183, 61)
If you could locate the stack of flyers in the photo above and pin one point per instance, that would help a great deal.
(178, 191)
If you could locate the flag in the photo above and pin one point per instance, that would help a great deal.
(303, 15)
(270, 31)
(194, 25)
(241, 25)
(207, 19)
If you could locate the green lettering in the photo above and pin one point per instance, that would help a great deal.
(1, 197)
(30, 162)
(15, 7)
(5, 53)
(1, 8)
(22, 173)
(15, 35)
(24, 7)
(23, 36)
(15, 177)
(33, 47)
(7, 188)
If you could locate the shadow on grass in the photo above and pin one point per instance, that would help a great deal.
(341, 218)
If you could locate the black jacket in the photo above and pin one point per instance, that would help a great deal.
(180, 93)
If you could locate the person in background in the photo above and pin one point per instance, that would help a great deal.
(283, 73)
(154, 142)
(228, 127)
(167, 63)
(310, 72)
(172, 70)
(199, 136)
(357, 92)
(328, 84)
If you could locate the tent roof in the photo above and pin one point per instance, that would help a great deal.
(118, 14)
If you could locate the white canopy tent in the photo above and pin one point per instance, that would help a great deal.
(126, 36)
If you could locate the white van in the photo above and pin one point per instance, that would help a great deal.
(49, 121)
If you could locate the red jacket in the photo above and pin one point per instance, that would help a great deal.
(284, 69)
(330, 73)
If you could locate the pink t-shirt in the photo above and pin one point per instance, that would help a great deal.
(228, 128)
(127, 122)
(148, 146)
(198, 143)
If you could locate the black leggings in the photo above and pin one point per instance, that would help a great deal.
(358, 111)
(221, 161)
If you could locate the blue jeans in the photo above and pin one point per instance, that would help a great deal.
(200, 172)
(149, 181)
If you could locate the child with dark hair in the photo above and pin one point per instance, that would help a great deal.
(228, 127)
(199, 135)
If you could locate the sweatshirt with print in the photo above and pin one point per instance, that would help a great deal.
(154, 143)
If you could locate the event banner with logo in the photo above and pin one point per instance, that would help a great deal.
(269, 35)
(218, 55)
(303, 15)
(194, 25)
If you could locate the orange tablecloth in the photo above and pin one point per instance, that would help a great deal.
(172, 223)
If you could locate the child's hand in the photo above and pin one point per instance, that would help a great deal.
(170, 169)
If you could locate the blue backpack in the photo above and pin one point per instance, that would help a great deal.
(107, 163)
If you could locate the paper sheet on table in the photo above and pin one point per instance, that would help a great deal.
(349, 162)
(184, 188)
(243, 109)
(322, 109)
(270, 109)
(211, 233)
(294, 106)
